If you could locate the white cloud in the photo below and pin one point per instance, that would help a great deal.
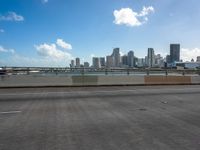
(189, 54)
(28, 61)
(131, 18)
(50, 50)
(2, 31)
(63, 44)
(11, 16)
(92, 55)
(49, 56)
(45, 1)
(146, 11)
(126, 16)
(5, 50)
(122, 53)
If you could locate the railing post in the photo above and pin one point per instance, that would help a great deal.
(166, 72)
(128, 72)
(183, 72)
(148, 72)
(106, 71)
(82, 71)
(28, 71)
(56, 71)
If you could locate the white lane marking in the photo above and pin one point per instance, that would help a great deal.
(10, 112)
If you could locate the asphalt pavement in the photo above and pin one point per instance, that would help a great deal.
(100, 118)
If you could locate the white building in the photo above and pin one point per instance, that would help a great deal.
(109, 61)
(188, 65)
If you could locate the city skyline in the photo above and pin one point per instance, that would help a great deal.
(35, 33)
(129, 60)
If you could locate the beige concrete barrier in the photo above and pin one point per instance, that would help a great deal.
(167, 80)
(38, 81)
(26, 81)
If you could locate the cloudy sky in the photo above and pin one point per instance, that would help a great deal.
(52, 32)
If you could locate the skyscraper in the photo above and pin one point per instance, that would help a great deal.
(125, 60)
(146, 61)
(72, 64)
(109, 61)
(159, 60)
(168, 59)
(151, 57)
(198, 58)
(102, 61)
(131, 59)
(78, 62)
(116, 56)
(86, 64)
(96, 62)
(141, 62)
(174, 52)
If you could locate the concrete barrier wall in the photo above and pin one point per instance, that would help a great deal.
(84, 80)
(26, 80)
(120, 80)
(195, 80)
(31, 81)
(167, 80)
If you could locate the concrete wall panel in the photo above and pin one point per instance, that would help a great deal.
(195, 79)
(29, 80)
(84, 80)
(120, 80)
(25, 80)
(167, 80)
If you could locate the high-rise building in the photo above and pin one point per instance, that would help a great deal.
(72, 65)
(78, 62)
(131, 59)
(135, 61)
(116, 56)
(168, 59)
(146, 61)
(96, 62)
(159, 61)
(125, 61)
(86, 65)
(141, 62)
(198, 58)
(151, 57)
(109, 61)
(102, 61)
(174, 53)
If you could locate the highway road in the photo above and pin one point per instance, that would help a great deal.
(100, 118)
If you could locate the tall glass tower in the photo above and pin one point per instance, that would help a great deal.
(131, 59)
(116, 56)
(174, 52)
(151, 57)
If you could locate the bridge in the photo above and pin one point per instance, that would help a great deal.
(63, 77)
(83, 109)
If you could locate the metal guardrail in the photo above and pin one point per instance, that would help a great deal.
(93, 71)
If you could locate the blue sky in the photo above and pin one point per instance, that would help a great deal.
(52, 32)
